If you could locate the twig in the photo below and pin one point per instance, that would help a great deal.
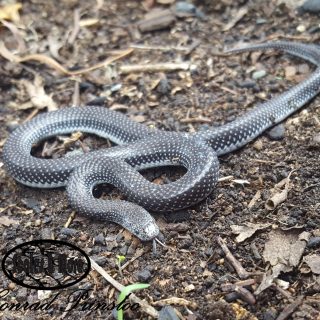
(144, 305)
(242, 273)
(287, 311)
(4, 52)
(154, 67)
(232, 286)
(216, 84)
(76, 26)
(70, 218)
(196, 120)
(167, 48)
(139, 254)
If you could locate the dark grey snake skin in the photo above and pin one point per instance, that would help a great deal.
(141, 147)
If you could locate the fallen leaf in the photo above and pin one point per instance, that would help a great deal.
(284, 247)
(37, 94)
(284, 251)
(5, 221)
(10, 12)
(313, 261)
(247, 231)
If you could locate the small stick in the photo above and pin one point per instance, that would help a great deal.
(216, 84)
(70, 219)
(196, 120)
(242, 273)
(144, 305)
(154, 67)
(138, 255)
(232, 286)
(287, 311)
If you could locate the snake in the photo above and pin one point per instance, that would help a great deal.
(140, 147)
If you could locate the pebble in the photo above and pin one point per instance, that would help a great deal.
(68, 231)
(270, 314)
(301, 28)
(37, 223)
(163, 86)
(259, 74)
(168, 313)
(144, 275)
(312, 6)
(182, 9)
(277, 132)
(314, 242)
(258, 145)
(316, 139)
(32, 203)
(290, 71)
(303, 68)
(99, 239)
(246, 84)
(46, 233)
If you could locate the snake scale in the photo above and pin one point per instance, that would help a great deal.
(140, 147)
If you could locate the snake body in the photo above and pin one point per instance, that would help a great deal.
(140, 147)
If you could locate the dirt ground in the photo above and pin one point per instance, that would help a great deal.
(192, 271)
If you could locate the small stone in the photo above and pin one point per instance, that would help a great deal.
(277, 132)
(259, 74)
(314, 242)
(163, 86)
(168, 313)
(316, 139)
(301, 28)
(290, 72)
(303, 68)
(11, 286)
(46, 233)
(312, 6)
(258, 145)
(189, 288)
(32, 203)
(99, 239)
(270, 314)
(68, 231)
(144, 275)
(246, 84)
(37, 223)
(261, 21)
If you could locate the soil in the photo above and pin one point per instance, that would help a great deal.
(217, 90)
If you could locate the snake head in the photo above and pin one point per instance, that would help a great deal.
(138, 221)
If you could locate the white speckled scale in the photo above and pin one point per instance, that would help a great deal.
(141, 147)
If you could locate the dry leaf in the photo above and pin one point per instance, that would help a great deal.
(313, 261)
(10, 12)
(247, 231)
(5, 221)
(37, 95)
(283, 250)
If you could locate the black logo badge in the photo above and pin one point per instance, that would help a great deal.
(46, 264)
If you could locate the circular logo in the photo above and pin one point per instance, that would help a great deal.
(46, 264)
